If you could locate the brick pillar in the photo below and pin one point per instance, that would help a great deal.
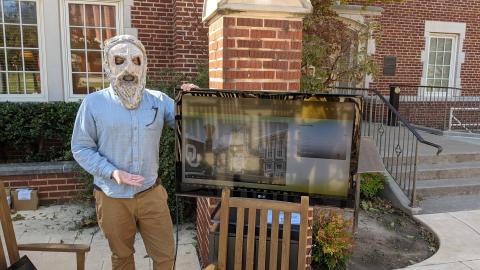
(247, 53)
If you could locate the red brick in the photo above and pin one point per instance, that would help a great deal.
(275, 65)
(234, 32)
(249, 64)
(284, 24)
(288, 75)
(249, 22)
(47, 188)
(253, 44)
(278, 45)
(275, 86)
(259, 34)
(66, 187)
(57, 182)
(37, 183)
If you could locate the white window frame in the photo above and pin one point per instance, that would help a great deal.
(453, 65)
(43, 96)
(440, 28)
(67, 58)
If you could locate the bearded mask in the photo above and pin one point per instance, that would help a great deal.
(125, 64)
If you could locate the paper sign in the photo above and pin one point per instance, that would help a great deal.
(295, 218)
(24, 194)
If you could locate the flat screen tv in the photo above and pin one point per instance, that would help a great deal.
(267, 144)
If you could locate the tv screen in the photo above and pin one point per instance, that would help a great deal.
(266, 143)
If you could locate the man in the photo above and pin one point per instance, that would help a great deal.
(116, 138)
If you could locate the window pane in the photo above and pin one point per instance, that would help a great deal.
(29, 12)
(95, 82)
(431, 71)
(1, 34)
(92, 15)
(15, 82)
(12, 33)
(108, 33)
(433, 44)
(438, 72)
(430, 82)
(79, 64)
(79, 81)
(431, 58)
(3, 83)
(14, 60)
(108, 16)
(446, 72)
(93, 38)
(444, 84)
(437, 83)
(94, 61)
(77, 38)
(11, 11)
(441, 44)
(33, 83)
(439, 60)
(32, 62)
(75, 13)
(30, 36)
(448, 45)
(2, 60)
(446, 59)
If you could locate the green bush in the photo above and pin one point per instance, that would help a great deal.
(332, 242)
(36, 131)
(371, 185)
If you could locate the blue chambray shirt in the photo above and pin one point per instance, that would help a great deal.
(107, 136)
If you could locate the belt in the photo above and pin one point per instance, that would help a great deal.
(136, 194)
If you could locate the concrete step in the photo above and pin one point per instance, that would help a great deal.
(448, 187)
(448, 171)
(433, 159)
(450, 203)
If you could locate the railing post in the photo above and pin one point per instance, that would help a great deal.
(413, 203)
(395, 102)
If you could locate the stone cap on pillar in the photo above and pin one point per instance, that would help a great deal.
(281, 7)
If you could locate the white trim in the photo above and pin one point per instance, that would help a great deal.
(43, 67)
(439, 28)
(66, 56)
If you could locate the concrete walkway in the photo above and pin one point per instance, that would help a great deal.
(459, 235)
(58, 224)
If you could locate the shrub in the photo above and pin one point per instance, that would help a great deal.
(371, 185)
(36, 131)
(332, 242)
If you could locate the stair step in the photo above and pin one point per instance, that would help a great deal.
(448, 171)
(448, 187)
(433, 159)
(449, 158)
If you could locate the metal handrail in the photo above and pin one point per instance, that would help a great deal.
(407, 124)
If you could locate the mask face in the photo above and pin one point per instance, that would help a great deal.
(126, 69)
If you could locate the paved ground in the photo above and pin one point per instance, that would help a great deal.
(459, 235)
(57, 224)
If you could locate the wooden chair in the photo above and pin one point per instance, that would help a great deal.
(13, 248)
(263, 206)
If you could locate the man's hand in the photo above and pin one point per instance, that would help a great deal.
(189, 86)
(125, 178)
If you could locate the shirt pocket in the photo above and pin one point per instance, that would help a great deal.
(150, 119)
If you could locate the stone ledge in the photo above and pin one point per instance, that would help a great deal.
(36, 168)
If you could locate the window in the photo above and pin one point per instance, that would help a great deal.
(89, 25)
(441, 62)
(19, 48)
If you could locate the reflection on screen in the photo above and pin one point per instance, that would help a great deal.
(290, 145)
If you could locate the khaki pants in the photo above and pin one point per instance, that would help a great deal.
(148, 212)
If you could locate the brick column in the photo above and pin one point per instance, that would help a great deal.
(247, 53)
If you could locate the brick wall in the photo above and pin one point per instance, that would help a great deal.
(172, 34)
(255, 54)
(52, 187)
(402, 35)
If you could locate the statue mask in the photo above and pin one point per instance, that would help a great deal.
(125, 64)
